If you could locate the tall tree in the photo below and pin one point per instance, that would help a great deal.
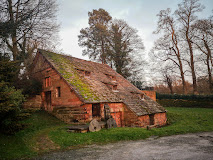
(203, 40)
(94, 37)
(124, 45)
(186, 14)
(113, 42)
(30, 23)
(169, 43)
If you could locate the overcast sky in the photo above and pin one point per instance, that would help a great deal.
(140, 14)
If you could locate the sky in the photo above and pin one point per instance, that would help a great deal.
(139, 14)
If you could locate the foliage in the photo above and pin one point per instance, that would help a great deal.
(8, 69)
(10, 102)
(113, 42)
(124, 46)
(30, 24)
(94, 37)
(30, 86)
(26, 25)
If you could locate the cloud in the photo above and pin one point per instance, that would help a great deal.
(140, 14)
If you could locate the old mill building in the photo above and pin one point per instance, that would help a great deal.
(76, 90)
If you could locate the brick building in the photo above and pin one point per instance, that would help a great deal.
(79, 90)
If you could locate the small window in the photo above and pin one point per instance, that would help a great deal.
(47, 81)
(81, 72)
(113, 78)
(142, 96)
(87, 73)
(114, 87)
(58, 92)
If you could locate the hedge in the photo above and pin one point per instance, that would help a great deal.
(185, 103)
(184, 97)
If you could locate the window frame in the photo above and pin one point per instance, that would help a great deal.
(47, 81)
(58, 92)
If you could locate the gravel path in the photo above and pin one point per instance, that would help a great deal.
(198, 146)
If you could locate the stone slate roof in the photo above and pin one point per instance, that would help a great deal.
(95, 88)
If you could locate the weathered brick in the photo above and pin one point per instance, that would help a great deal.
(70, 106)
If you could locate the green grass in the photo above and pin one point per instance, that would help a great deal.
(182, 120)
(21, 144)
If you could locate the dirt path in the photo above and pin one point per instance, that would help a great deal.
(198, 146)
(44, 144)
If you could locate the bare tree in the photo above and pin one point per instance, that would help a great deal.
(31, 23)
(186, 14)
(169, 43)
(203, 40)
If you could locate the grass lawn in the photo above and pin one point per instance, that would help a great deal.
(46, 133)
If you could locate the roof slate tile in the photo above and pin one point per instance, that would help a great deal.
(96, 87)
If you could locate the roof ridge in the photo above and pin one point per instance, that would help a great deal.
(92, 89)
(64, 54)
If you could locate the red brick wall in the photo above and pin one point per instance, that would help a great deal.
(68, 98)
(151, 94)
(130, 119)
(143, 121)
(122, 114)
(160, 119)
(117, 112)
(88, 110)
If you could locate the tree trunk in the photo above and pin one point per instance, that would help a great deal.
(181, 72)
(14, 47)
(169, 83)
(174, 39)
(208, 66)
(194, 80)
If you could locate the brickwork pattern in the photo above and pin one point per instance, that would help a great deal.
(69, 107)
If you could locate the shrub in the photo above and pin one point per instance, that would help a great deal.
(30, 87)
(10, 102)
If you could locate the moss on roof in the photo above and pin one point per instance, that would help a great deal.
(69, 73)
(95, 88)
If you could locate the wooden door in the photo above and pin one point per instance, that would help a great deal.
(151, 118)
(96, 110)
(48, 100)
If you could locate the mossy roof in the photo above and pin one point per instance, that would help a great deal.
(96, 88)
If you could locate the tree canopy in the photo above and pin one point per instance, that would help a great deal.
(112, 41)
